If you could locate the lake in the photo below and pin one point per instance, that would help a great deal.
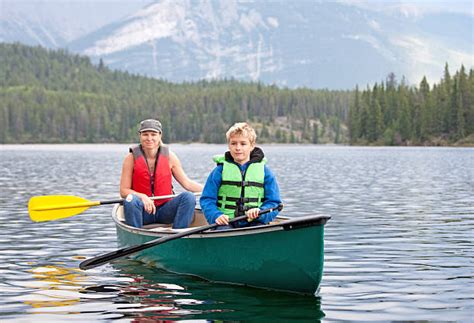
(399, 246)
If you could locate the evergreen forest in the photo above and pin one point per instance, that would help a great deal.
(396, 114)
(54, 96)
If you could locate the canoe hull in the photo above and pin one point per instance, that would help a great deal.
(281, 259)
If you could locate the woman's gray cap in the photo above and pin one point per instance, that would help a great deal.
(150, 125)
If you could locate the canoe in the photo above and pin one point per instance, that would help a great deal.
(286, 255)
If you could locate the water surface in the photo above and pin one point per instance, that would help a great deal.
(399, 245)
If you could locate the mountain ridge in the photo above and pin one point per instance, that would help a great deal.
(319, 45)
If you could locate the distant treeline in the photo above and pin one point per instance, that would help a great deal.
(53, 96)
(396, 114)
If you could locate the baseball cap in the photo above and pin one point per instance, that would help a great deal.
(150, 125)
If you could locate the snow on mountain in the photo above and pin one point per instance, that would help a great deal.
(157, 21)
(182, 40)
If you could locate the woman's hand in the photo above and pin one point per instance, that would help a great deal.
(148, 204)
(222, 220)
(252, 214)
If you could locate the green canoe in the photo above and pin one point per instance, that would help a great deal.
(287, 254)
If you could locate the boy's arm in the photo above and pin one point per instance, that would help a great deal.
(208, 200)
(272, 196)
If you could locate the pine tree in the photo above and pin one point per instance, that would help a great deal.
(469, 103)
(466, 101)
(315, 139)
(447, 103)
(458, 130)
(354, 118)
(374, 123)
(405, 118)
(264, 133)
(292, 137)
(337, 136)
(426, 113)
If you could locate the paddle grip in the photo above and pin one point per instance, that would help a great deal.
(111, 202)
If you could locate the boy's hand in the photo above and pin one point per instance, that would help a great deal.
(222, 220)
(252, 214)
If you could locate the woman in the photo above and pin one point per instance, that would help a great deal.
(147, 171)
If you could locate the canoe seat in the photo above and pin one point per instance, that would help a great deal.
(156, 225)
(199, 220)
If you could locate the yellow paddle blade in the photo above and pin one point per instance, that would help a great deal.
(54, 207)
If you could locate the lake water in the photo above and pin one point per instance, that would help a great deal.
(399, 246)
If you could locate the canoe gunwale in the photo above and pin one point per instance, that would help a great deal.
(286, 223)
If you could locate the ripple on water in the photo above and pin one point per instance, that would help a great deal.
(398, 246)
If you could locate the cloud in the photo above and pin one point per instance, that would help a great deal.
(426, 57)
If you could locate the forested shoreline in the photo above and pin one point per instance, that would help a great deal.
(396, 114)
(53, 96)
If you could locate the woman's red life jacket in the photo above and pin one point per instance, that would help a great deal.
(141, 179)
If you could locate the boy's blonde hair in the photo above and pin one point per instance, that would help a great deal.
(244, 129)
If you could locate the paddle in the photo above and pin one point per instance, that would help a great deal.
(54, 207)
(108, 257)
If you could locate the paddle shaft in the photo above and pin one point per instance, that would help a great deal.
(108, 257)
(161, 197)
(94, 203)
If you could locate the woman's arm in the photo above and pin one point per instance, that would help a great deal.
(126, 178)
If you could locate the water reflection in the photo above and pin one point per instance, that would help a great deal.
(193, 296)
(135, 291)
(56, 286)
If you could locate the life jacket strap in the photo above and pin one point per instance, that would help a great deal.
(242, 183)
(235, 207)
(239, 199)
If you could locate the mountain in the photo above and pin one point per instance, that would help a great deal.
(54, 24)
(317, 44)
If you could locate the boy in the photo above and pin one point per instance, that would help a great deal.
(241, 183)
